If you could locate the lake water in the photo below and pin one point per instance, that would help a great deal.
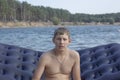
(40, 38)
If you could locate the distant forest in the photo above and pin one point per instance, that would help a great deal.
(14, 10)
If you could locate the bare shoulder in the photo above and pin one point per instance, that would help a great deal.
(74, 54)
(45, 56)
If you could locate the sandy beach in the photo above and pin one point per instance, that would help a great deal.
(45, 24)
(23, 24)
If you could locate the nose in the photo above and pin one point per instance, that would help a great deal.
(61, 41)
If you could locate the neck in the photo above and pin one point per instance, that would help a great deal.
(60, 52)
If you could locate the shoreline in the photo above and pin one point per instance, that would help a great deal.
(23, 24)
(46, 24)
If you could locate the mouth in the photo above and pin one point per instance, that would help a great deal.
(61, 46)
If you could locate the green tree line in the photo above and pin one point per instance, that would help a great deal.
(14, 10)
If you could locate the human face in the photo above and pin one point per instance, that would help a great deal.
(61, 41)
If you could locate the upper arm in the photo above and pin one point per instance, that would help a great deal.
(76, 67)
(40, 68)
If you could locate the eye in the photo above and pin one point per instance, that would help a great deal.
(64, 39)
(58, 38)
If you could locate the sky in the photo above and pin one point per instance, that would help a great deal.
(80, 6)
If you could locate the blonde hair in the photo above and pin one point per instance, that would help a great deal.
(61, 31)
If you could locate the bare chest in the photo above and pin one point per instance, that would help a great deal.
(55, 67)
